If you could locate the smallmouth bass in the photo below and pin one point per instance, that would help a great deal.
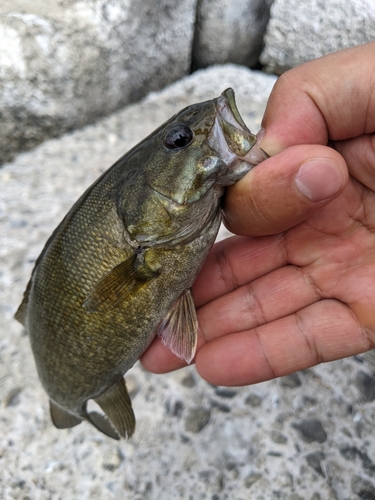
(118, 270)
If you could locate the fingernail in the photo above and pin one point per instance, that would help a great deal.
(260, 135)
(270, 146)
(318, 180)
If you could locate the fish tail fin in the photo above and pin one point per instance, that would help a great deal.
(102, 424)
(116, 404)
(62, 419)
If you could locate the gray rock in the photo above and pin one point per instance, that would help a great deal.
(132, 386)
(278, 437)
(310, 430)
(349, 452)
(315, 496)
(301, 31)
(369, 359)
(225, 392)
(12, 398)
(314, 460)
(112, 460)
(366, 385)
(274, 453)
(285, 480)
(308, 401)
(63, 64)
(220, 406)
(227, 31)
(197, 419)
(252, 478)
(253, 400)
(290, 381)
(174, 408)
(352, 452)
(363, 488)
(188, 380)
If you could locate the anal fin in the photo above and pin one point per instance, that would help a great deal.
(179, 329)
(62, 419)
(116, 404)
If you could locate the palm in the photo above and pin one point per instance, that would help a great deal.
(335, 250)
(312, 299)
(272, 305)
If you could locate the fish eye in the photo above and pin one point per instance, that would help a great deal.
(178, 136)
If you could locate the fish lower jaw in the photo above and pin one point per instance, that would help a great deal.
(237, 169)
(255, 156)
(237, 166)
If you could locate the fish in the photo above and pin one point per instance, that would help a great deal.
(118, 269)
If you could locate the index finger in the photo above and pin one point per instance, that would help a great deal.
(330, 98)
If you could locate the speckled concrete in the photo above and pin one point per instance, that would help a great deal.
(308, 436)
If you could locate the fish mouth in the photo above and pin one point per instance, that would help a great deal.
(231, 139)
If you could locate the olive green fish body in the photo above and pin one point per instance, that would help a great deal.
(92, 350)
(119, 267)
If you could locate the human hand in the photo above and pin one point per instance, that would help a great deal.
(299, 288)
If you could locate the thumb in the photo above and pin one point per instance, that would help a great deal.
(284, 190)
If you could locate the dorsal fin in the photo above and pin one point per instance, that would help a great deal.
(116, 404)
(179, 328)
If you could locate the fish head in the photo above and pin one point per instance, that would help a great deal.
(188, 162)
(205, 144)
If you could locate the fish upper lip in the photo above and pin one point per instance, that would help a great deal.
(224, 109)
(229, 137)
(227, 110)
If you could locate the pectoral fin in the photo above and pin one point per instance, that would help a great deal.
(116, 404)
(115, 286)
(178, 330)
(61, 418)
